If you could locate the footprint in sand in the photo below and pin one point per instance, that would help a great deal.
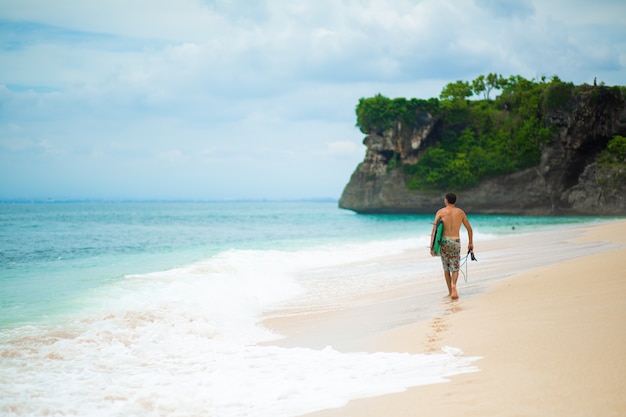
(438, 326)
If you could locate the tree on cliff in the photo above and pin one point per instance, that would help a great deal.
(485, 84)
(456, 94)
(374, 114)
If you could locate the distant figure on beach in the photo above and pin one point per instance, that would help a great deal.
(452, 217)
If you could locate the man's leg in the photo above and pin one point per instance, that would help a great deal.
(446, 274)
(452, 286)
(454, 275)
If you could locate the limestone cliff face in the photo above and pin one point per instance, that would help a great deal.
(568, 181)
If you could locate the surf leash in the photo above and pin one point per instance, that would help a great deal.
(470, 254)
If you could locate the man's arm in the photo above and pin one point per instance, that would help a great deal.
(470, 233)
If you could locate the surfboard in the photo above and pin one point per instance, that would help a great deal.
(435, 244)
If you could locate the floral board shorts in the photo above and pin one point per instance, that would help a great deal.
(451, 254)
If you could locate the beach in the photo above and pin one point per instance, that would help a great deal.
(177, 309)
(551, 336)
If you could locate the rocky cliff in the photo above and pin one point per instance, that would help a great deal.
(568, 181)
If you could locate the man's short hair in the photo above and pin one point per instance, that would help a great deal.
(451, 197)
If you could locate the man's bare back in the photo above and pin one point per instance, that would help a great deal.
(452, 217)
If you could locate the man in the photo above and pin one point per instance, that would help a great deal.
(452, 217)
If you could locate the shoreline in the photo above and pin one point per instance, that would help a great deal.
(551, 335)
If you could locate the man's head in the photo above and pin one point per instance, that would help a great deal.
(451, 198)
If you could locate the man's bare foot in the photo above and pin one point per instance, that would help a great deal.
(454, 295)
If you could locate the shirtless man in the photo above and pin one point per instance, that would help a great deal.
(452, 218)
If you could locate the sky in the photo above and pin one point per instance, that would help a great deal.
(253, 99)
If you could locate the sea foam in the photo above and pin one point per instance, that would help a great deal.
(185, 342)
(124, 367)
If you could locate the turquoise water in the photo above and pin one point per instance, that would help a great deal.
(136, 308)
(52, 253)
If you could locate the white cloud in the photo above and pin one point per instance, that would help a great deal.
(266, 89)
(344, 147)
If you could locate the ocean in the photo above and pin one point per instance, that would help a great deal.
(154, 308)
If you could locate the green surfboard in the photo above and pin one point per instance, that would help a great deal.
(435, 245)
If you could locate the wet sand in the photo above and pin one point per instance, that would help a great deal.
(552, 336)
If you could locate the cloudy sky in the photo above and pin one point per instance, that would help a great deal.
(252, 99)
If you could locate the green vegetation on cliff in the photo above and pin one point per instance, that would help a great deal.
(612, 163)
(615, 152)
(379, 113)
(475, 139)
